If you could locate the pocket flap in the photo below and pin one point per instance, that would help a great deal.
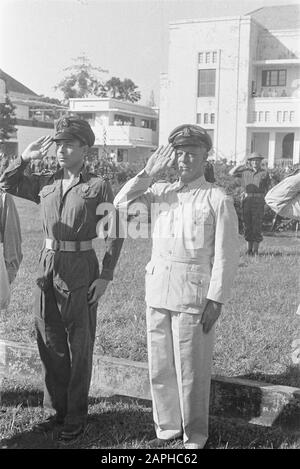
(47, 190)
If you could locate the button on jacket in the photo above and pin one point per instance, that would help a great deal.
(195, 241)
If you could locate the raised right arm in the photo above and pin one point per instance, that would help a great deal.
(237, 170)
(138, 188)
(15, 182)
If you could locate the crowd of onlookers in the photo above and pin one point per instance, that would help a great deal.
(215, 171)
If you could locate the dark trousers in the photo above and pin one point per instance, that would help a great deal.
(66, 327)
(253, 215)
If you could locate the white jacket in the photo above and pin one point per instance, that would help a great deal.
(195, 241)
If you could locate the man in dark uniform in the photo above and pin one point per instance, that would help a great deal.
(255, 181)
(69, 285)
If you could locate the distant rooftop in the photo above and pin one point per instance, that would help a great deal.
(15, 86)
(278, 17)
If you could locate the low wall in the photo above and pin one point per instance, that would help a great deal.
(254, 402)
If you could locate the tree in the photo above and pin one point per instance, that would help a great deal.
(113, 87)
(82, 81)
(7, 120)
(124, 90)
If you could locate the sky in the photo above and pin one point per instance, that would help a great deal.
(129, 38)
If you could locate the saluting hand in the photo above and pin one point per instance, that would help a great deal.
(37, 149)
(161, 159)
(96, 290)
(210, 314)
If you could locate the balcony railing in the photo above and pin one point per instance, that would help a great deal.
(283, 162)
(280, 112)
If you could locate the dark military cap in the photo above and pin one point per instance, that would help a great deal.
(189, 134)
(68, 128)
(255, 156)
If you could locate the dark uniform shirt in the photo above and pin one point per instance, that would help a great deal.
(254, 181)
(68, 217)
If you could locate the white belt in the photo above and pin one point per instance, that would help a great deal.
(69, 246)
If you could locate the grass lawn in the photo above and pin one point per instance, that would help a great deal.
(254, 334)
(253, 339)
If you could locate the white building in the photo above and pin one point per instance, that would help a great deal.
(125, 131)
(238, 77)
(35, 117)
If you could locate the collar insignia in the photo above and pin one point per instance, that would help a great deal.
(186, 132)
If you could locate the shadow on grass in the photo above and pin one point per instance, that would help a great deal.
(113, 422)
(289, 416)
(21, 396)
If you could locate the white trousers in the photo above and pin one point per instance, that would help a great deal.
(180, 361)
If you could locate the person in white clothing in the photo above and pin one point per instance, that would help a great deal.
(194, 260)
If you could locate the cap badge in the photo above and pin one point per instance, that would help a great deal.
(64, 123)
(186, 132)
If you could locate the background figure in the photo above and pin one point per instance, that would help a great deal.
(193, 263)
(255, 182)
(209, 172)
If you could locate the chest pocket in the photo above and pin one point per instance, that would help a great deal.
(85, 191)
(46, 196)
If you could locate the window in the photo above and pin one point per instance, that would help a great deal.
(214, 57)
(205, 119)
(206, 82)
(274, 78)
(292, 115)
(278, 116)
(200, 58)
(285, 116)
(207, 57)
(212, 118)
(123, 120)
(145, 123)
(87, 116)
(260, 116)
(267, 116)
(198, 118)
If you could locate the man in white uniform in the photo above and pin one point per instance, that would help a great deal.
(194, 260)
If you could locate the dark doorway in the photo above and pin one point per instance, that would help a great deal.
(288, 146)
